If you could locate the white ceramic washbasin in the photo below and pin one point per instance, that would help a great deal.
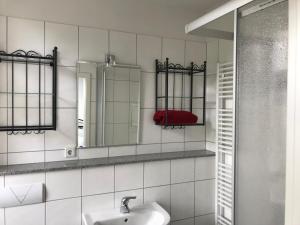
(148, 214)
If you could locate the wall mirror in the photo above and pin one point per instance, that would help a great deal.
(108, 106)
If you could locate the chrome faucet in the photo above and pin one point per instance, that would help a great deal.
(124, 204)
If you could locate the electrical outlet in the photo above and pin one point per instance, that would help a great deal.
(70, 151)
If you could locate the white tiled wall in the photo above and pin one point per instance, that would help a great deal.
(69, 193)
(184, 187)
(217, 51)
(86, 43)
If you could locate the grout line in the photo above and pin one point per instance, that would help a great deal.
(144, 182)
(81, 183)
(205, 127)
(105, 29)
(114, 186)
(6, 46)
(117, 146)
(44, 99)
(108, 41)
(170, 188)
(45, 196)
(194, 189)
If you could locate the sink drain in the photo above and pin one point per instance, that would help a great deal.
(126, 220)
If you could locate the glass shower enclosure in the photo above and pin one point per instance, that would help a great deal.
(261, 63)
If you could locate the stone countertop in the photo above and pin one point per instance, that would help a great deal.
(97, 162)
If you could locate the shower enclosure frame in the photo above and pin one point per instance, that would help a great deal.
(292, 202)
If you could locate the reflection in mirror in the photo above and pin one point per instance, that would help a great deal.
(108, 104)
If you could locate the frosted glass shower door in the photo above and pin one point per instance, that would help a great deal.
(261, 115)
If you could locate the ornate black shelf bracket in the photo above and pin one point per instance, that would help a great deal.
(33, 116)
(170, 77)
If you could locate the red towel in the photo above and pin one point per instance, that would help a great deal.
(174, 117)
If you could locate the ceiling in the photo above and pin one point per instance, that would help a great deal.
(195, 6)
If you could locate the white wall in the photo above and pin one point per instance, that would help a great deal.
(218, 50)
(140, 41)
(77, 42)
(184, 187)
(146, 17)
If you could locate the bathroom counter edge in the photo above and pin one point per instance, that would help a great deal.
(98, 162)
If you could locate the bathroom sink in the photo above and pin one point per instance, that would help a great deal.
(148, 214)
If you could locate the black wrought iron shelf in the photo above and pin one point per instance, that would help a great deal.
(30, 58)
(170, 69)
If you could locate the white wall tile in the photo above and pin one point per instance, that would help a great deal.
(172, 135)
(182, 170)
(148, 50)
(148, 149)
(121, 74)
(194, 133)
(33, 76)
(2, 222)
(123, 46)
(25, 157)
(3, 33)
(174, 50)
(66, 86)
(182, 201)
(150, 133)
(135, 75)
(189, 221)
(172, 147)
(57, 155)
(211, 91)
(134, 91)
(3, 97)
(65, 38)
(63, 184)
(121, 112)
(65, 133)
(196, 145)
(134, 202)
(156, 173)
(89, 153)
(3, 81)
(205, 168)
(225, 51)
(161, 195)
(122, 150)
(12, 180)
(211, 146)
(96, 203)
(121, 137)
(121, 91)
(211, 125)
(26, 35)
(21, 143)
(198, 86)
(1, 210)
(93, 44)
(204, 197)
(3, 116)
(212, 56)
(3, 159)
(148, 90)
(205, 220)
(97, 180)
(26, 215)
(128, 176)
(195, 52)
(3, 142)
(64, 212)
